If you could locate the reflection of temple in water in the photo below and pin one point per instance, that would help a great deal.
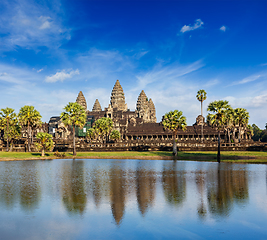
(216, 190)
(117, 193)
(145, 188)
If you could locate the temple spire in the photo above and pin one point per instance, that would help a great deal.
(97, 106)
(117, 99)
(81, 100)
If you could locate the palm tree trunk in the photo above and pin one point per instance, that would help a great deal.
(43, 152)
(174, 145)
(202, 123)
(73, 133)
(219, 150)
(28, 135)
(7, 142)
(11, 145)
(239, 134)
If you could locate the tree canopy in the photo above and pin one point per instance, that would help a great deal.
(9, 123)
(73, 115)
(29, 117)
(45, 142)
(173, 121)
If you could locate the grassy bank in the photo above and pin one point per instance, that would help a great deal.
(227, 156)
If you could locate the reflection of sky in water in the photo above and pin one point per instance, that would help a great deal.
(118, 199)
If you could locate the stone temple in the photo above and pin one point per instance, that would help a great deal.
(117, 110)
(139, 128)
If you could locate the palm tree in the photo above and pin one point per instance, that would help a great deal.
(45, 142)
(29, 117)
(173, 121)
(74, 115)
(242, 117)
(7, 120)
(219, 108)
(103, 126)
(115, 135)
(91, 133)
(250, 132)
(201, 96)
(229, 122)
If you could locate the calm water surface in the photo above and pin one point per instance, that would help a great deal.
(132, 199)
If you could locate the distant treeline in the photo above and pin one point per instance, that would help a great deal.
(259, 134)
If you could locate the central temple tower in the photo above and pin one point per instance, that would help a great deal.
(117, 99)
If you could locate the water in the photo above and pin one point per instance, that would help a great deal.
(132, 199)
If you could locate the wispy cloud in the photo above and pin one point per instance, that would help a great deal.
(251, 78)
(168, 73)
(28, 24)
(223, 28)
(187, 28)
(61, 76)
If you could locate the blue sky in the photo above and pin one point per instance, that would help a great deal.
(50, 50)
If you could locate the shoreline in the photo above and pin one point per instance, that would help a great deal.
(234, 157)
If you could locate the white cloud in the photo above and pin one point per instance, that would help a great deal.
(45, 25)
(223, 28)
(187, 28)
(61, 76)
(260, 100)
(29, 24)
(40, 70)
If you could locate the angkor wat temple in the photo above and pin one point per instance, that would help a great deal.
(139, 129)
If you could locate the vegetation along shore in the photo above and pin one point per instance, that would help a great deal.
(226, 156)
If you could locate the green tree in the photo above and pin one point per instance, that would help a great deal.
(103, 126)
(173, 121)
(115, 135)
(256, 132)
(242, 117)
(14, 132)
(8, 119)
(74, 115)
(250, 132)
(229, 122)
(29, 118)
(219, 108)
(91, 133)
(45, 142)
(201, 96)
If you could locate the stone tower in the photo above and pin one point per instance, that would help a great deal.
(81, 100)
(97, 106)
(152, 111)
(142, 108)
(145, 108)
(117, 99)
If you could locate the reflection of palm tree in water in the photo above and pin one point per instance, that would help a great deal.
(229, 186)
(30, 190)
(73, 187)
(174, 183)
(117, 193)
(8, 185)
(145, 186)
(200, 182)
(96, 184)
